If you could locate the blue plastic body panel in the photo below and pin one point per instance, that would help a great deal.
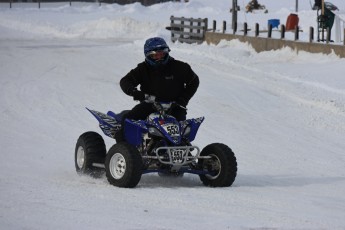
(134, 131)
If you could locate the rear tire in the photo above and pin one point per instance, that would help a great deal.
(90, 149)
(123, 165)
(222, 165)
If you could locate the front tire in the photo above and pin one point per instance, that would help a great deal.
(222, 166)
(123, 165)
(90, 149)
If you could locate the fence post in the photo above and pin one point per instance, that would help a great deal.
(206, 25)
(256, 29)
(235, 28)
(203, 31)
(182, 23)
(296, 33)
(191, 25)
(282, 35)
(214, 25)
(234, 13)
(245, 29)
(269, 31)
(328, 35)
(224, 26)
(311, 34)
(171, 24)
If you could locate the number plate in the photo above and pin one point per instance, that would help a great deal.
(177, 156)
(172, 130)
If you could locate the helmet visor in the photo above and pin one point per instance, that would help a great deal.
(158, 54)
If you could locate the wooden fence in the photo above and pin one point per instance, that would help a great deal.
(188, 30)
(191, 30)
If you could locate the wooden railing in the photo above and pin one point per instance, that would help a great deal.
(188, 30)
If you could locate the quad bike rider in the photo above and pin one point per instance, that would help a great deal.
(162, 76)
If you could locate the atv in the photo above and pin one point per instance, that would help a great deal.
(160, 144)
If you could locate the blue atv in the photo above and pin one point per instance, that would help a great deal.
(160, 144)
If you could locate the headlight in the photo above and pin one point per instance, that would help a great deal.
(187, 131)
(155, 132)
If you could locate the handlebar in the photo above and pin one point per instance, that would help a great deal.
(150, 98)
(161, 107)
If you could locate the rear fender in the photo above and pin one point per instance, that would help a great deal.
(107, 123)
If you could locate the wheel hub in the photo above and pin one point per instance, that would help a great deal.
(117, 166)
(80, 157)
(213, 165)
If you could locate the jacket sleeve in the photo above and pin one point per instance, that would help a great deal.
(191, 86)
(131, 80)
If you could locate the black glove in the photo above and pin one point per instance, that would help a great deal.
(138, 95)
(182, 102)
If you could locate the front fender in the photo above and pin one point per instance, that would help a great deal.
(194, 125)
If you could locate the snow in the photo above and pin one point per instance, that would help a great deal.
(281, 112)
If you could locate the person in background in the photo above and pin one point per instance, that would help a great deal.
(254, 5)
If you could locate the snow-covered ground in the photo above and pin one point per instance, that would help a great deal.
(282, 113)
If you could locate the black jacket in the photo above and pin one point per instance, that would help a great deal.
(170, 82)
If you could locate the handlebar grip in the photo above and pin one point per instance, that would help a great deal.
(150, 98)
